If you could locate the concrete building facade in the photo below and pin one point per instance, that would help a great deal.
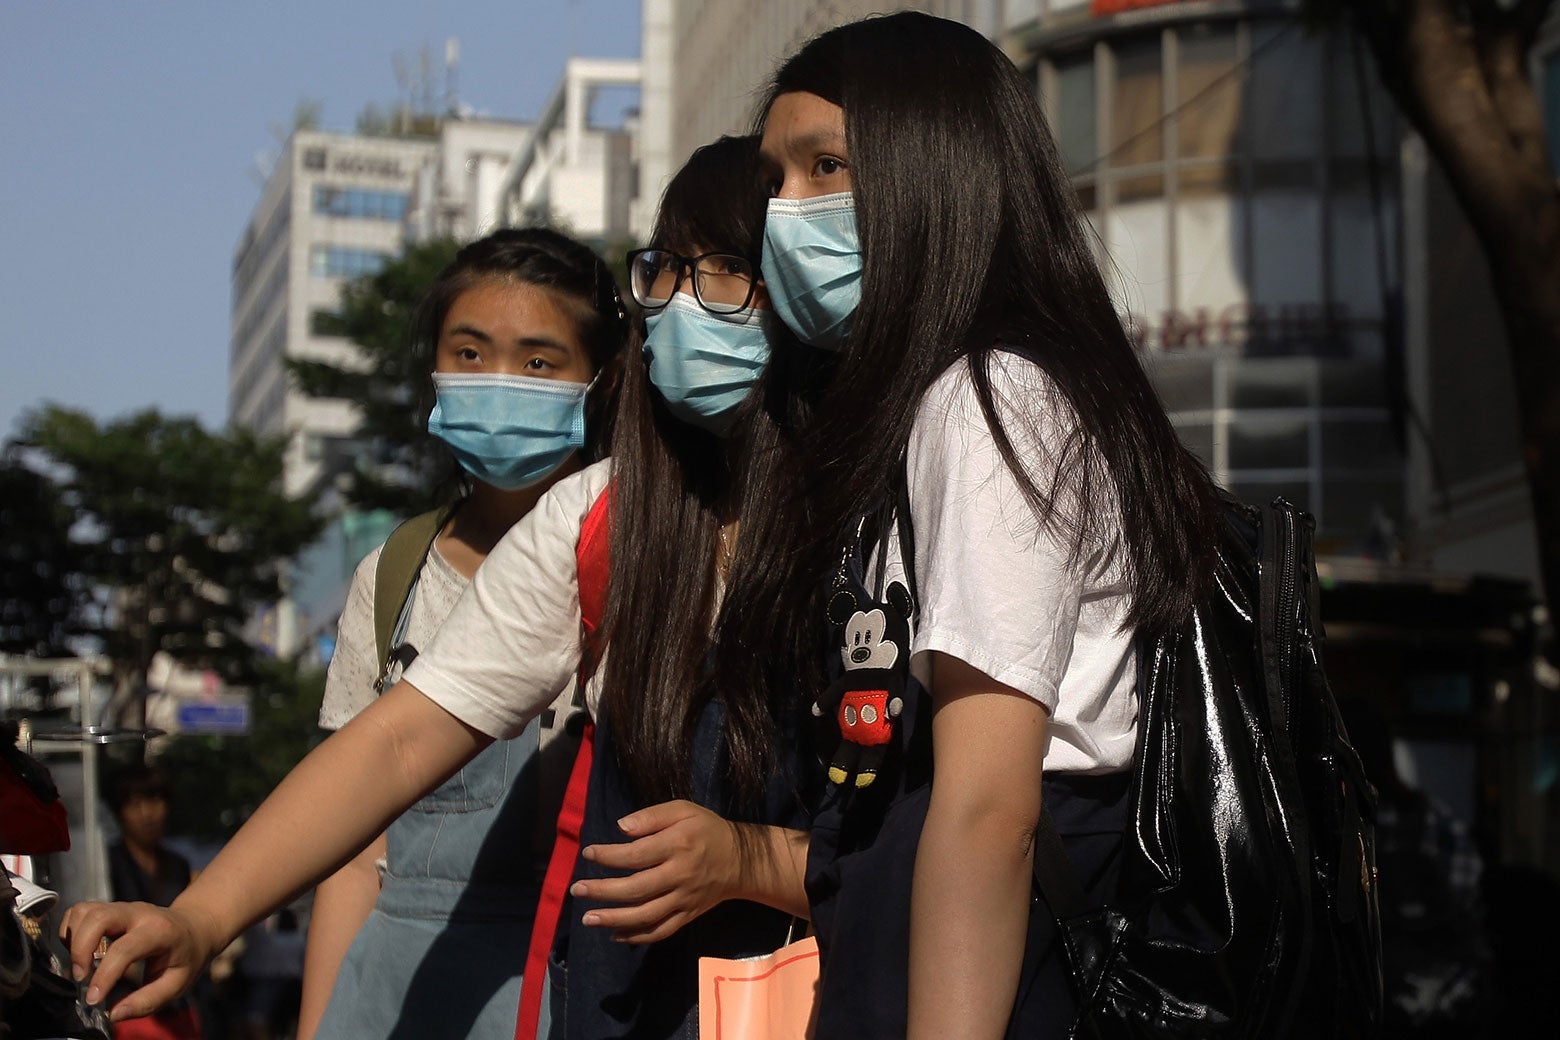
(457, 191)
(332, 209)
(1312, 307)
(1319, 320)
(706, 63)
(571, 174)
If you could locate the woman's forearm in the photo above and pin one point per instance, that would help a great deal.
(773, 866)
(328, 808)
(341, 904)
(969, 901)
(968, 922)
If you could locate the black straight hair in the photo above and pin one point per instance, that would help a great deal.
(971, 242)
(577, 278)
(674, 486)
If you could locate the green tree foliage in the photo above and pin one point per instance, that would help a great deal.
(179, 534)
(37, 560)
(402, 465)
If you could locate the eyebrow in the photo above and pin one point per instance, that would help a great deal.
(524, 341)
(803, 142)
(472, 331)
(815, 139)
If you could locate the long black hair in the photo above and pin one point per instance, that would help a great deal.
(673, 487)
(580, 282)
(971, 239)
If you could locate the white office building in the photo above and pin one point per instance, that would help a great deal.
(332, 209)
(457, 192)
(574, 175)
(706, 64)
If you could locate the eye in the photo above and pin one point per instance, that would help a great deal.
(539, 364)
(467, 354)
(828, 166)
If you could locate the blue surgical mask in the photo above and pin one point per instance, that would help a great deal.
(508, 431)
(812, 266)
(705, 364)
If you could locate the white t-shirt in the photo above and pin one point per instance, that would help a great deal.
(1000, 593)
(349, 684)
(511, 645)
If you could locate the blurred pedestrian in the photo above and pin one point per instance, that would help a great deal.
(141, 868)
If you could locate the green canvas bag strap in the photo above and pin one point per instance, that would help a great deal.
(400, 562)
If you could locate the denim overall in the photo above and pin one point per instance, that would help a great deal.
(602, 989)
(862, 856)
(442, 952)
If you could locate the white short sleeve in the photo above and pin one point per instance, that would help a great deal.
(999, 592)
(354, 664)
(512, 643)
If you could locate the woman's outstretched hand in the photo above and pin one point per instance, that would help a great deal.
(684, 860)
(174, 944)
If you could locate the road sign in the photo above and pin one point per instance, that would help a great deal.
(226, 714)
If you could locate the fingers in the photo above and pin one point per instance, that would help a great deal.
(139, 931)
(657, 817)
(84, 928)
(635, 888)
(134, 945)
(631, 855)
(646, 923)
(151, 996)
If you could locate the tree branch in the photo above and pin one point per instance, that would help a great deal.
(1456, 112)
(1503, 60)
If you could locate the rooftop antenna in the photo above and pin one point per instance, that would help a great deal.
(452, 75)
(405, 92)
(425, 80)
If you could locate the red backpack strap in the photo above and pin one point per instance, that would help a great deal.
(591, 557)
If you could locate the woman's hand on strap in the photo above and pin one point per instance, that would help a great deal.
(685, 859)
(175, 944)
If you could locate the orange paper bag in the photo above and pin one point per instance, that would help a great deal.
(760, 998)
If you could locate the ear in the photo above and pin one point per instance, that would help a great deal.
(899, 598)
(841, 606)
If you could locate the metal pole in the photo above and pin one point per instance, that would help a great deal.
(97, 876)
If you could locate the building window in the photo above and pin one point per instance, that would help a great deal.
(324, 323)
(341, 262)
(1136, 117)
(1227, 170)
(314, 159)
(359, 203)
(1075, 117)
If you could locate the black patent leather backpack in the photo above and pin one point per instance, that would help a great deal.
(1247, 897)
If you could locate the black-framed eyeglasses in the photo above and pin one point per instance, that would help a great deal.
(722, 282)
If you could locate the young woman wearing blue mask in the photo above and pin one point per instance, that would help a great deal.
(697, 796)
(997, 504)
(523, 332)
(675, 765)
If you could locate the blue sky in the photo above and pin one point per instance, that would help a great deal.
(130, 134)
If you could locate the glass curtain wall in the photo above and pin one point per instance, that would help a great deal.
(1241, 185)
